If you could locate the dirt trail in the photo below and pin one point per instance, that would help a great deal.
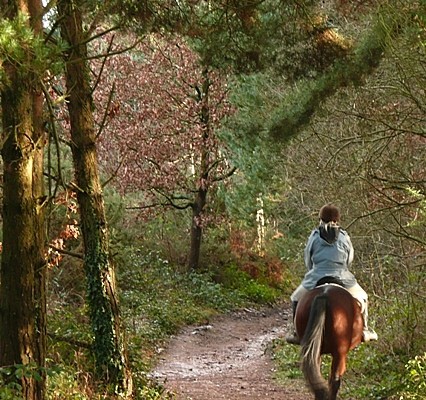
(227, 359)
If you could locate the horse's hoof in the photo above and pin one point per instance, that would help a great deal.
(292, 339)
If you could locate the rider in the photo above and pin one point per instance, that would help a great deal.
(329, 253)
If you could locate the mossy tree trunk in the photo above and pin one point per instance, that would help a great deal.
(23, 266)
(109, 346)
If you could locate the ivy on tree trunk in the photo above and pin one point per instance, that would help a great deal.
(109, 347)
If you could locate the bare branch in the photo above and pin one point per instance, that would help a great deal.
(66, 252)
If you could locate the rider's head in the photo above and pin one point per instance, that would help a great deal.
(329, 213)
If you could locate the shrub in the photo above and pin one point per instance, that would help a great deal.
(414, 379)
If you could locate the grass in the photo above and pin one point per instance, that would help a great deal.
(371, 373)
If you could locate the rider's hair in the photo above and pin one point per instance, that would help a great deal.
(329, 213)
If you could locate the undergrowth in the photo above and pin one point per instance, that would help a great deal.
(157, 299)
(371, 373)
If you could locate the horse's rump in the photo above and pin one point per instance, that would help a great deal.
(343, 320)
(328, 320)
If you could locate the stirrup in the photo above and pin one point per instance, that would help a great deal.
(369, 335)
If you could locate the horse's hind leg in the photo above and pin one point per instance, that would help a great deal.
(321, 394)
(338, 368)
(334, 388)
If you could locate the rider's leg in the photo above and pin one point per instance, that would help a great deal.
(359, 293)
(297, 294)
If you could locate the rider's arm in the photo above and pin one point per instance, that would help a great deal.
(308, 251)
(350, 250)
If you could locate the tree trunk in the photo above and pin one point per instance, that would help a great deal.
(23, 265)
(196, 229)
(109, 347)
(203, 181)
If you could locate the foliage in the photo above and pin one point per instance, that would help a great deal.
(158, 94)
(249, 288)
(64, 386)
(414, 379)
(371, 374)
(286, 359)
(298, 108)
(181, 299)
(379, 380)
(19, 45)
(11, 389)
(156, 300)
(253, 152)
(251, 32)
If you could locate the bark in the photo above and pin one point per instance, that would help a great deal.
(23, 266)
(203, 181)
(109, 347)
(196, 229)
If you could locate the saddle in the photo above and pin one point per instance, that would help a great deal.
(327, 280)
(331, 280)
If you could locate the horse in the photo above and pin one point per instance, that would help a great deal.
(328, 320)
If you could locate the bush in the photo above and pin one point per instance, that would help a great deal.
(414, 379)
(249, 288)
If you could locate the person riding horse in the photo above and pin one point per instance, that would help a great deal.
(329, 253)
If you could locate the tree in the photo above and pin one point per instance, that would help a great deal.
(250, 33)
(109, 346)
(23, 265)
(300, 105)
(160, 131)
(275, 106)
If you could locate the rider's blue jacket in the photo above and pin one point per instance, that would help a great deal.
(328, 259)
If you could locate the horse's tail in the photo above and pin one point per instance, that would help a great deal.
(311, 348)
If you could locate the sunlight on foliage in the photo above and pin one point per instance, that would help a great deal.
(420, 216)
(20, 46)
(415, 379)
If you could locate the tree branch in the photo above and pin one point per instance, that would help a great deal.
(66, 252)
(74, 342)
(288, 121)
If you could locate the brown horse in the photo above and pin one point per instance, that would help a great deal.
(329, 321)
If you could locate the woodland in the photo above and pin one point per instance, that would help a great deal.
(164, 161)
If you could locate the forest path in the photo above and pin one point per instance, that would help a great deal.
(228, 358)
